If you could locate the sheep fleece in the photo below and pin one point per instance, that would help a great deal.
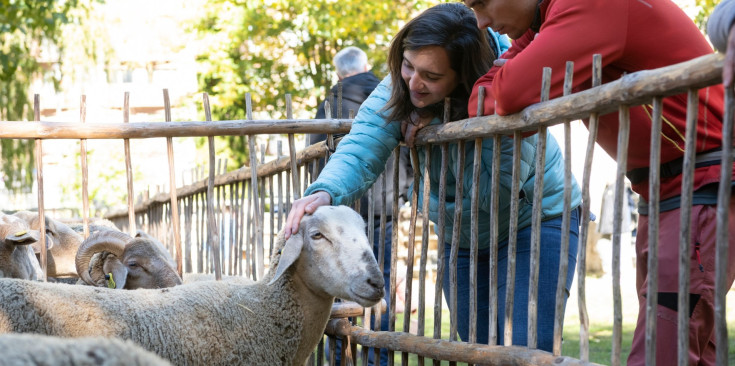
(31, 349)
(203, 323)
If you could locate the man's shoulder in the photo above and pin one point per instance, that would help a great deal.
(362, 78)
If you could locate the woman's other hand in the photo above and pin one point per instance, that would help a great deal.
(302, 206)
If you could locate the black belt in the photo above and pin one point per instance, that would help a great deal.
(673, 168)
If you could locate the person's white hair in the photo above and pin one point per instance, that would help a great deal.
(350, 61)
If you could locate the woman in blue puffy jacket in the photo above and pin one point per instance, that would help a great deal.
(439, 54)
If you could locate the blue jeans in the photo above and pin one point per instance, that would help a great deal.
(384, 318)
(548, 272)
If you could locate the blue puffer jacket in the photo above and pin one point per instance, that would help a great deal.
(362, 154)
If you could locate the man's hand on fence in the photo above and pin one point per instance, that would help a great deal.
(302, 206)
(413, 125)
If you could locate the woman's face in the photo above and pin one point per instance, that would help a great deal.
(511, 17)
(428, 76)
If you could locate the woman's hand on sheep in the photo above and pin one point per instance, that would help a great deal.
(302, 206)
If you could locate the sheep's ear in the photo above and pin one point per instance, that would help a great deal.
(24, 237)
(289, 254)
(117, 273)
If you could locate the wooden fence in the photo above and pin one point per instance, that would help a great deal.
(228, 220)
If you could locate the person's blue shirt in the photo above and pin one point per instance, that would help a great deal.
(498, 42)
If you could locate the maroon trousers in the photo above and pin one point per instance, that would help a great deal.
(702, 290)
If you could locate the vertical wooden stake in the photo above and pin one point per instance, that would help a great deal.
(172, 188)
(129, 168)
(85, 173)
(212, 233)
(39, 179)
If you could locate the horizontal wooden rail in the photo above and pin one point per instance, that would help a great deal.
(144, 130)
(442, 349)
(632, 89)
(281, 164)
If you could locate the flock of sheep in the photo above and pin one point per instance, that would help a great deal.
(136, 309)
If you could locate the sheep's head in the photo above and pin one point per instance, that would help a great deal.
(52, 232)
(133, 262)
(17, 259)
(62, 244)
(333, 256)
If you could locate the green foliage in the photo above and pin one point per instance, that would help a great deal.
(271, 47)
(18, 164)
(705, 9)
(110, 185)
(30, 30)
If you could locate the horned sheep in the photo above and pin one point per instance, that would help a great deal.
(110, 258)
(40, 350)
(277, 320)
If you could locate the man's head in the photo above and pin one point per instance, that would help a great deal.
(350, 61)
(511, 17)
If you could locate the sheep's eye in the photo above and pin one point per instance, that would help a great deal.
(132, 264)
(317, 236)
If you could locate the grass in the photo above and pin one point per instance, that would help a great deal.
(601, 342)
(600, 332)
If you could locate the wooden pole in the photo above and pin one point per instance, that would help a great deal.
(493, 247)
(561, 288)
(257, 223)
(426, 229)
(292, 152)
(85, 173)
(212, 233)
(723, 205)
(394, 249)
(129, 168)
(538, 196)
(584, 342)
(685, 238)
(622, 162)
(410, 255)
(631, 89)
(39, 180)
(172, 188)
(449, 350)
(653, 226)
(512, 242)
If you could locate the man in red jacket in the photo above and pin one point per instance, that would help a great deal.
(631, 35)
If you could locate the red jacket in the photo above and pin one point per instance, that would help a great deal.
(631, 35)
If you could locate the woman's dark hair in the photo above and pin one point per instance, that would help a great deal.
(453, 27)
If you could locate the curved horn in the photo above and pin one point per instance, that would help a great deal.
(111, 241)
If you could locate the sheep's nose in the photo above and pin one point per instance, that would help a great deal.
(376, 282)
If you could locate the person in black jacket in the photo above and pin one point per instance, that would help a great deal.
(357, 84)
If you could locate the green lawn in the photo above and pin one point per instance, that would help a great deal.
(601, 341)
(600, 333)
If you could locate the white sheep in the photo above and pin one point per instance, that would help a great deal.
(17, 242)
(276, 321)
(40, 350)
